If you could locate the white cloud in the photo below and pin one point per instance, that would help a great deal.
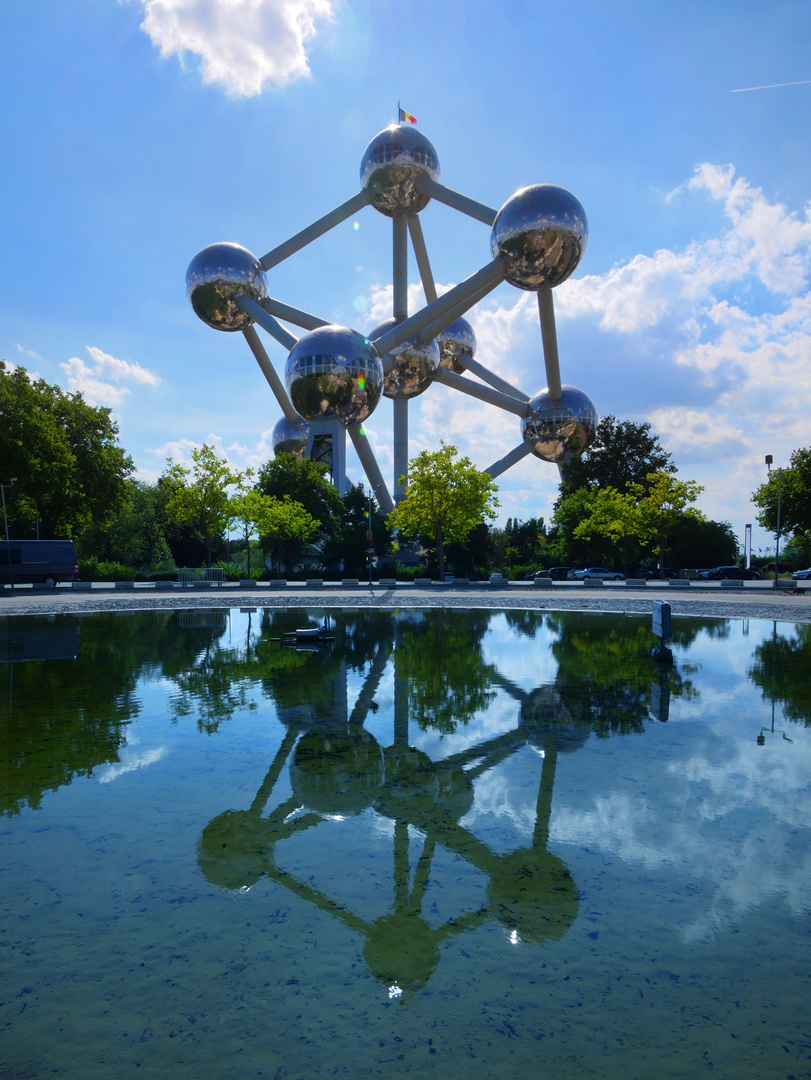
(710, 343)
(29, 355)
(96, 381)
(242, 44)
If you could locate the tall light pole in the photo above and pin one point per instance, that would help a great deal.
(769, 460)
(13, 480)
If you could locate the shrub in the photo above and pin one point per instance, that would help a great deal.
(93, 570)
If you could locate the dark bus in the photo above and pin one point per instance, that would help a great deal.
(28, 562)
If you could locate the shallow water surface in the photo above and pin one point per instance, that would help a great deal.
(441, 843)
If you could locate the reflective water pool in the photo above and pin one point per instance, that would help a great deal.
(471, 844)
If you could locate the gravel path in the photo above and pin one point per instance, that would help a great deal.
(729, 603)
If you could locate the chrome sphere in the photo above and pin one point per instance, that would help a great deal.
(218, 276)
(391, 164)
(334, 372)
(455, 343)
(290, 437)
(562, 429)
(541, 233)
(413, 365)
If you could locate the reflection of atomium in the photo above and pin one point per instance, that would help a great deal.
(338, 770)
(335, 375)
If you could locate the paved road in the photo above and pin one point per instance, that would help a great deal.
(755, 600)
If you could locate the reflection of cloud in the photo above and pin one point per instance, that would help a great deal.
(243, 44)
(130, 761)
(727, 814)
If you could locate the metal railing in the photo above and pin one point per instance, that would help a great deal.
(187, 575)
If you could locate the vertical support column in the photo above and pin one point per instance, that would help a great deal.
(336, 433)
(339, 458)
(400, 312)
(400, 266)
(400, 447)
(546, 310)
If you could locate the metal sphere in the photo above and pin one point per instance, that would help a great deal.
(413, 365)
(562, 429)
(391, 164)
(290, 437)
(455, 343)
(334, 372)
(218, 276)
(541, 233)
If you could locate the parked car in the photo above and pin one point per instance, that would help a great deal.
(802, 574)
(739, 573)
(594, 572)
(559, 573)
(37, 561)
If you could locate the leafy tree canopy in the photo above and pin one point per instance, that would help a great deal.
(794, 486)
(663, 506)
(70, 471)
(135, 535)
(199, 497)
(622, 453)
(304, 481)
(349, 543)
(614, 515)
(444, 499)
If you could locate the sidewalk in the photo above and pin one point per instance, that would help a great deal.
(759, 602)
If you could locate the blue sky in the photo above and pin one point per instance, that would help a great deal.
(136, 132)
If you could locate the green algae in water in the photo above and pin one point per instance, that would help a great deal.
(447, 844)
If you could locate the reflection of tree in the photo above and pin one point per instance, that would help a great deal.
(64, 717)
(782, 670)
(604, 675)
(337, 770)
(524, 622)
(448, 680)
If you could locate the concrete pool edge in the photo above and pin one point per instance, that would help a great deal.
(784, 607)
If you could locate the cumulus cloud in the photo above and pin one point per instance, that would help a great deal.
(99, 382)
(710, 343)
(242, 44)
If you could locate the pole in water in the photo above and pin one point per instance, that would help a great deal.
(663, 629)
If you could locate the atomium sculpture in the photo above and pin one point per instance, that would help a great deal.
(335, 376)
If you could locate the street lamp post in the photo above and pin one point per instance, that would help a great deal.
(769, 460)
(5, 524)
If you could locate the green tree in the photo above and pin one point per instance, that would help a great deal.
(348, 543)
(286, 526)
(622, 453)
(663, 506)
(304, 481)
(565, 547)
(794, 485)
(135, 535)
(198, 495)
(526, 541)
(615, 515)
(70, 471)
(444, 499)
(699, 542)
